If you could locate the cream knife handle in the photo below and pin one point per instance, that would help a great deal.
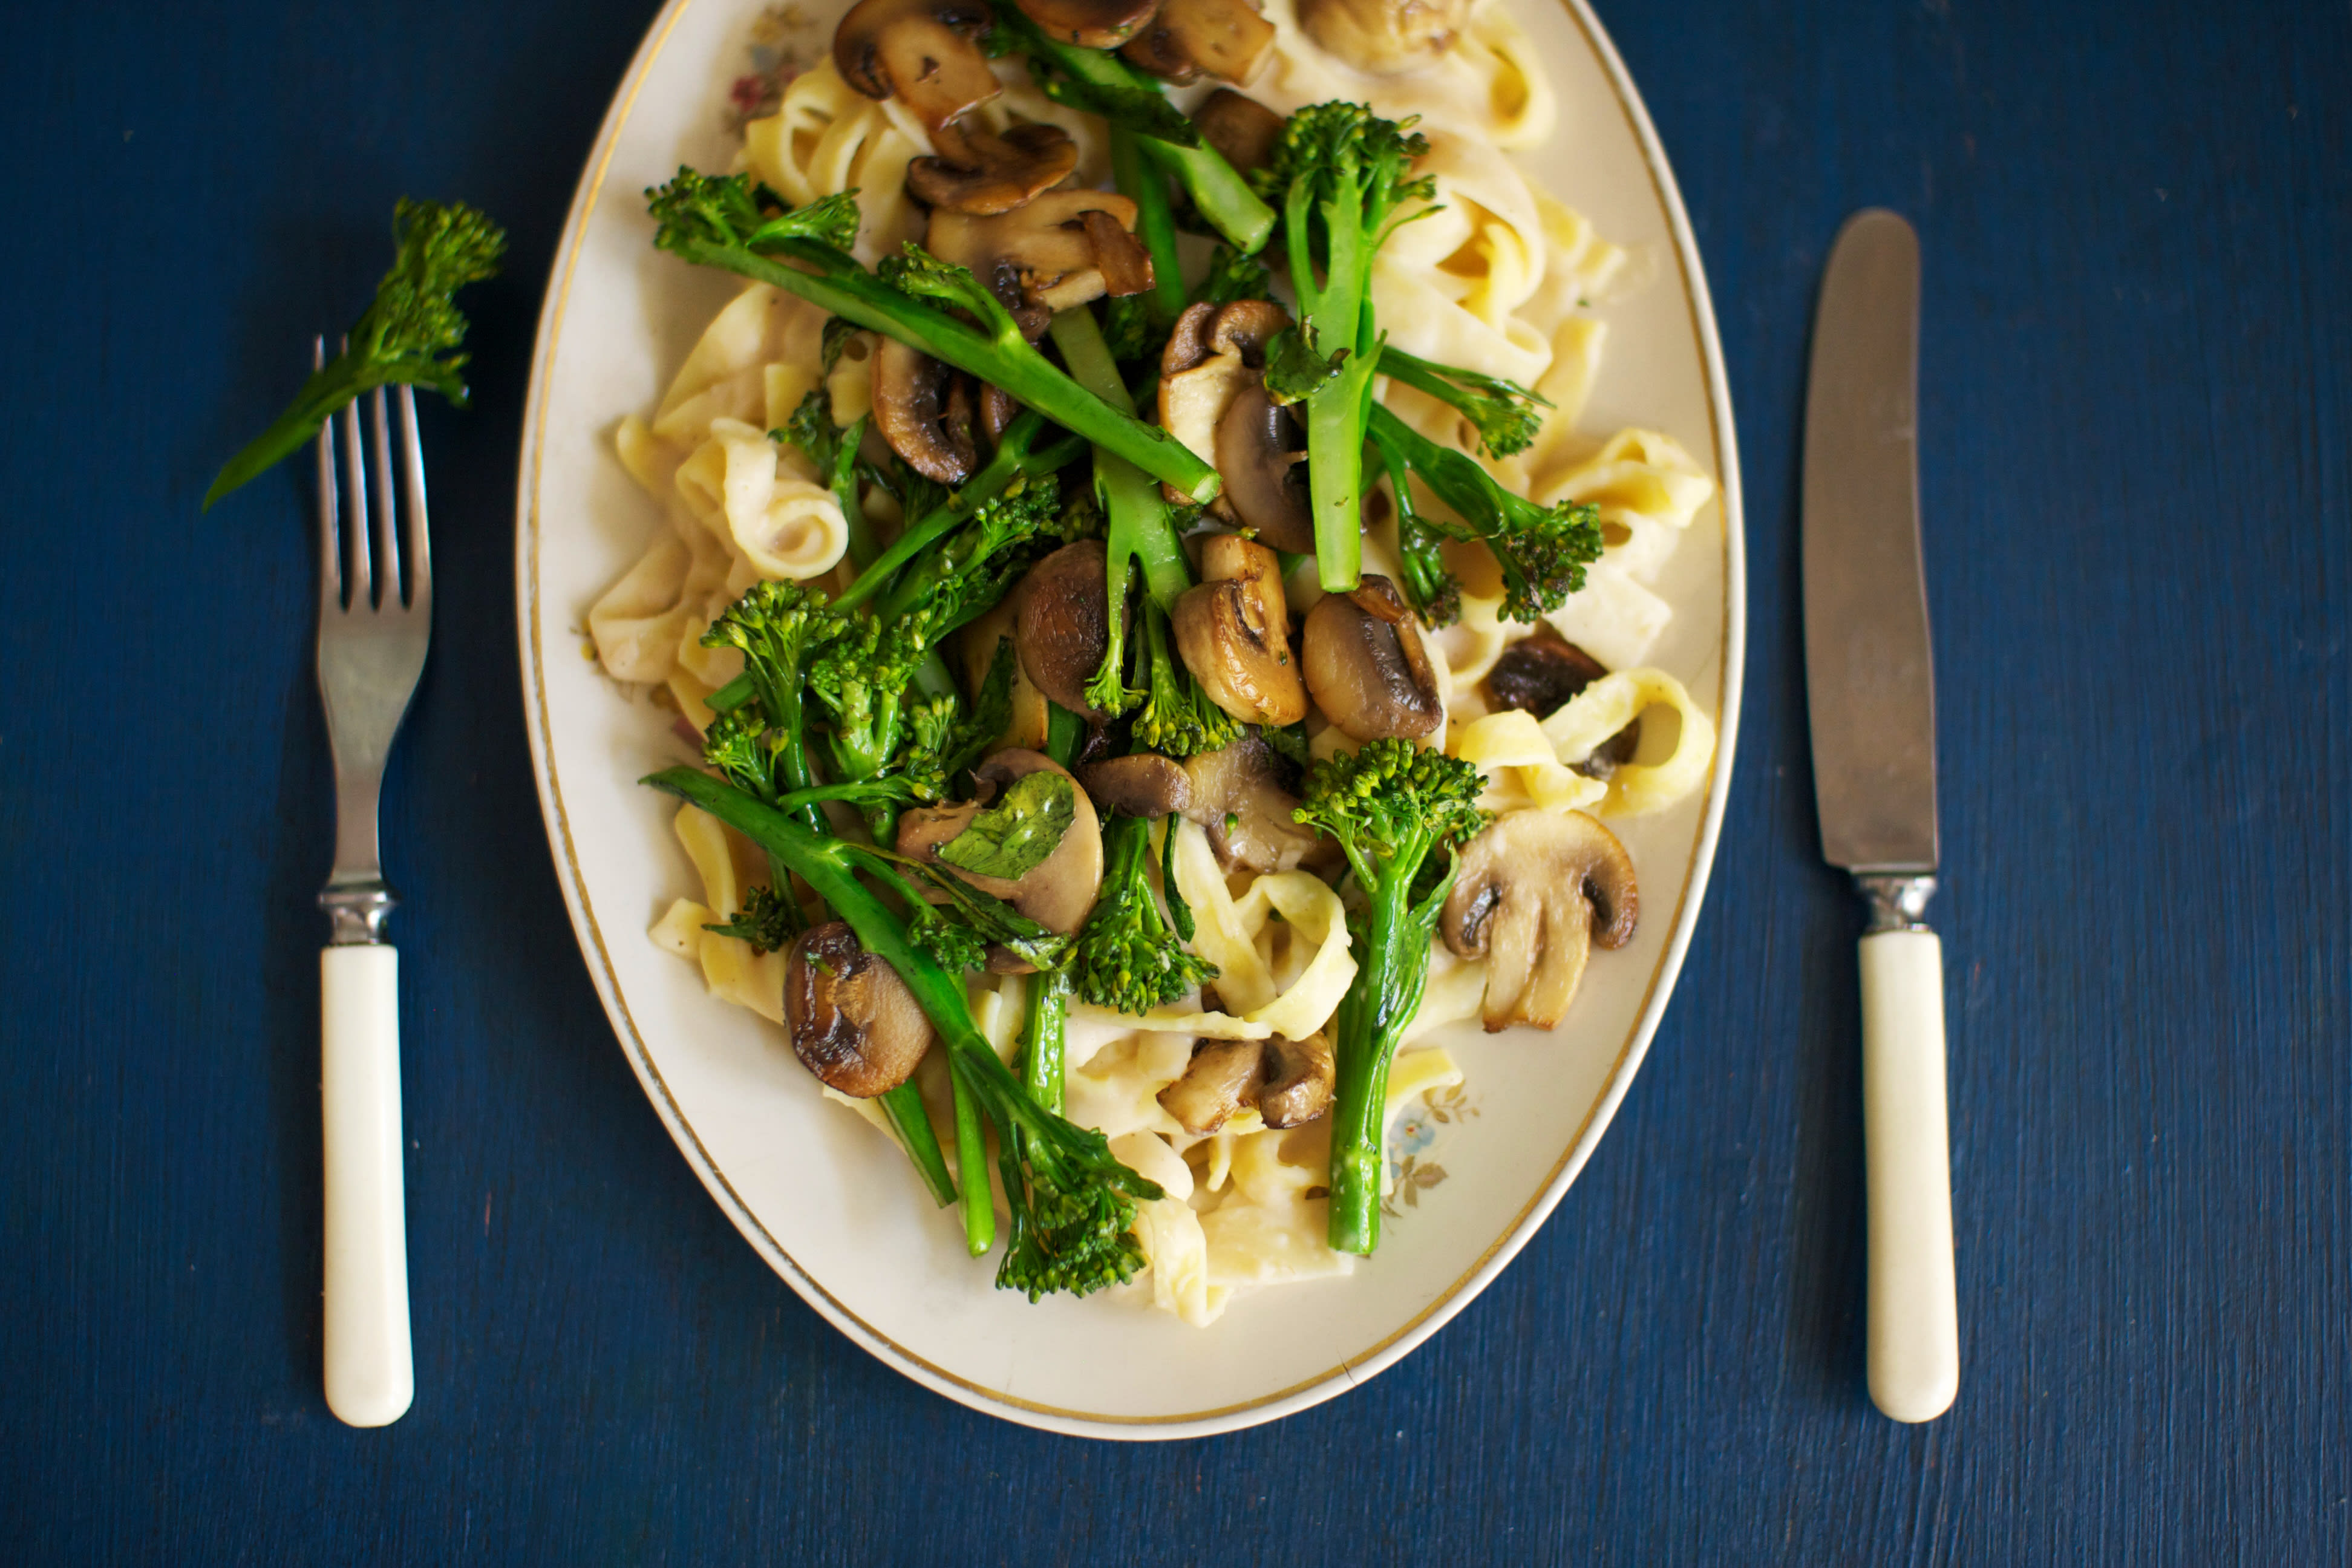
(369, 1375)
(1914, 1324)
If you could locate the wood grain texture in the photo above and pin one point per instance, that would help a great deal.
(2137, 426)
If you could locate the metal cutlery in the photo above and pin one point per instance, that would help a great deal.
(373, 636)
(1870, 696)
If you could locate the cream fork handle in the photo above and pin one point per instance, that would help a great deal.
(1914, 1323)
(369, 1376)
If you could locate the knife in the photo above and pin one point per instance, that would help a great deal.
(1870, 689)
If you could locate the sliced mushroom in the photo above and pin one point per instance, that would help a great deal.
(1238, 796)
(1298, 1076)
(979, 171)
(1385, 38)
(852, 1020)
(1062, 628)
(925, 52)
(1261, 452)
(1089, 24)
(1539, 673)
(1213, 354)
(1225, 39)
(1037, 258)
(1058, 892)
(923, 408)
(1144, 785)
(1536, 891)
(1125, 265)
(997, 409)
(1220, 1081)
(1243, 129)
(1233, 633)
(1367, 667)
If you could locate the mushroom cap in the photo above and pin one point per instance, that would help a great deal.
(1089, 24)
(1213, 354)
(1298, 1076)
(1039, 257)
(1143, 785)
(925, 52)
(1238, 796)
(1261, 452)
(1220, 1081)
(1534, 892)
(1383, 37)
(1225, 39)
(1233, 631)
(1367, 667)
(923, 409)
(1059, 891)
(851, 1018)
(1240, 127)
(1063, 627)
(980, 173)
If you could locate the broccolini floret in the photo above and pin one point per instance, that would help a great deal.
(1392, 806)
(408, 336)
(1126, 957)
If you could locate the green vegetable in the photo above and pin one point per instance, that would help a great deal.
(833, 449)
(1126, 957)
(1392, 806)
(1073, 1203)
(1505, 413)
(1233, 276)
(1543, 551)
(1138, 324)
(731, 224)
(1340, 172)
(408, 336)
(1020, 832)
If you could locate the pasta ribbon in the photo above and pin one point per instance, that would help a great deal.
(1516, 741)
(730, 968)
(1607, 706)
(784, 525)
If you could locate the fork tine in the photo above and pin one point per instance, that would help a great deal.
(412, 472)
(387, 520)
(355, 503)
(331, 544)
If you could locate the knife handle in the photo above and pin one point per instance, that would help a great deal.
(370, 1377)
(1915, 1325)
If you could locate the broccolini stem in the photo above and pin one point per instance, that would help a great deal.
(1004, 359)
(904, 1107)
(1372, 1021)
(1141, 528)
(972, 1162)
(1014, 458)
(1042, 1037)
(1154, 223)
(1065, 734)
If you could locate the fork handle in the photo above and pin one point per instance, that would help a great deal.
(370, 1377)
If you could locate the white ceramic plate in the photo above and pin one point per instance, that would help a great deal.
(829, 1205)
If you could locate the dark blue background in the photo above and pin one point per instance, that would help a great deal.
(2137, 223)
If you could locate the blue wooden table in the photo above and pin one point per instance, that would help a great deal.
(2137, 223)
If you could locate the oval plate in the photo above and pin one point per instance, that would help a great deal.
(830, 1205)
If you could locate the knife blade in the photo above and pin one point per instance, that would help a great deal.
(1869, 692)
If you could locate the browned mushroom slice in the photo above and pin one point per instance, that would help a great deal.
(1237, 796)
(1538, 674)
(1297, 1081)
(1536, 891)
(1089, 24)
(997, 410)
(1143, 785)
(852, 1020)
(1367, 667)
(1037, 258)
(924, 410)
(1213, 354)
(1385, 38)
(1243, 129)
(1261, 452)
(1058, 892)
(980, 173)
(925, 52)
(1062, 628)
(1233, 633)
(1226, 39)
(1125, 265)
(1220, 1082)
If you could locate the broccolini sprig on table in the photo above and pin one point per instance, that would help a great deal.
(1340, 172)
(409, 335)
(914, 297)
(1390, 807)
(1542, 550)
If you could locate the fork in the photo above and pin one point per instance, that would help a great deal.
(372, 643)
